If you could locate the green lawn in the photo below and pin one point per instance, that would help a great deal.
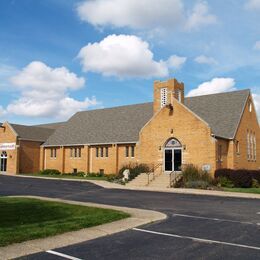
(24, 219)
(244, 190)
(66, 176)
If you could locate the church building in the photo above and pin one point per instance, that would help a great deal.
(210, 131)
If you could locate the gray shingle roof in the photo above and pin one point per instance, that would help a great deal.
(111, 125)
(32, 132)
(122, 124)
(221, 111)
(51, 125)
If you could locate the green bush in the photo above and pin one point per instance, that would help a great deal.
(225, 182)
(50, 172)
(193, 173)
(134, 169)
(95, 174)
(255, 183)
(197, 185)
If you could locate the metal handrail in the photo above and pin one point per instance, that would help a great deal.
(152, 172)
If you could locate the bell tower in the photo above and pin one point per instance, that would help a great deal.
(165, 91)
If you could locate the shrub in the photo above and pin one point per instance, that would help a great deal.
(50, 172)
(95, 174)
(134, 169)
(197, 184)
(255, 183)
(225, 182)
(241, 178)
(193, 173)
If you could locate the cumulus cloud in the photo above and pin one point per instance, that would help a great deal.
(122, 56)
(176, 62)
(202, 59)
(145, 14)
(200, 16)
(216, 85)
(253, 4)
(131, 13)
(257, 46)
(44, 92)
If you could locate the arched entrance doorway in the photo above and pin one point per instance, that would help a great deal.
(172, 155)
(3, 161)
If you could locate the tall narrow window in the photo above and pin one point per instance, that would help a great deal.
(106, 151)
(179, 95)
(71, 152)
(163, 97)
(248, 146)
(97, 152)
(53, 152)
(101, 152)
(220, 153)
(237, 147)
(127, 151)
(254, 147)
(251, 145)
(132, 151)
(79, 152)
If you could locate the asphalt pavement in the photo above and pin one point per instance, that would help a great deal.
(197, 227)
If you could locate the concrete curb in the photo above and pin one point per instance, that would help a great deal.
(138, 217)
(109, 185)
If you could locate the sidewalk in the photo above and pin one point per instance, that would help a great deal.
(138, 217)
(110, 185)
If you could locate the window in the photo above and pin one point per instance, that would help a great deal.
(254, 143)
(132, 151)
(53, 153)
(106, 151)
(179, 95)
(127, 151)
(220, 153)
(250, 106)
(97, 152)
(237, 147)
(248, 146)
(75, 152)
(251, 146)
(163, 97)
(101, 152)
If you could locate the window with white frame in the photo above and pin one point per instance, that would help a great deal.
(254, 142)
(75, 152)
(53, 153)
(163, 97)
(248, 145)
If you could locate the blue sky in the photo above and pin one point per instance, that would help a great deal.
(62, 56)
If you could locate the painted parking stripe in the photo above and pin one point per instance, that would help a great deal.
(215, 219)
(62, 255)
(208, 241)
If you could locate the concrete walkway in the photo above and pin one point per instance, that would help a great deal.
(138, 217)
(110, 185)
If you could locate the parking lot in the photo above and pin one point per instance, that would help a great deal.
(197, 227)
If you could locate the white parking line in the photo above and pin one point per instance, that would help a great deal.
(197, 239)
(62, 255)
(215, 219)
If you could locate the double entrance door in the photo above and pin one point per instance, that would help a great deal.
(3, 162)
(172, 159)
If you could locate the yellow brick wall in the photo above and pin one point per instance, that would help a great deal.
(183, 125)
(248, 122)
(29, 156)
(8, 136)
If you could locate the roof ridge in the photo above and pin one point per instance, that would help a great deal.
(222, 93)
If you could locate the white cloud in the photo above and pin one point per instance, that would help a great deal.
(176, 62)
(145, 14)
(131, 13)
(44, 92)
(253, 4)
(122, 56)
(216, 85)
(200, 16)
(256, 98)
(202, 59)
(257, 46)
